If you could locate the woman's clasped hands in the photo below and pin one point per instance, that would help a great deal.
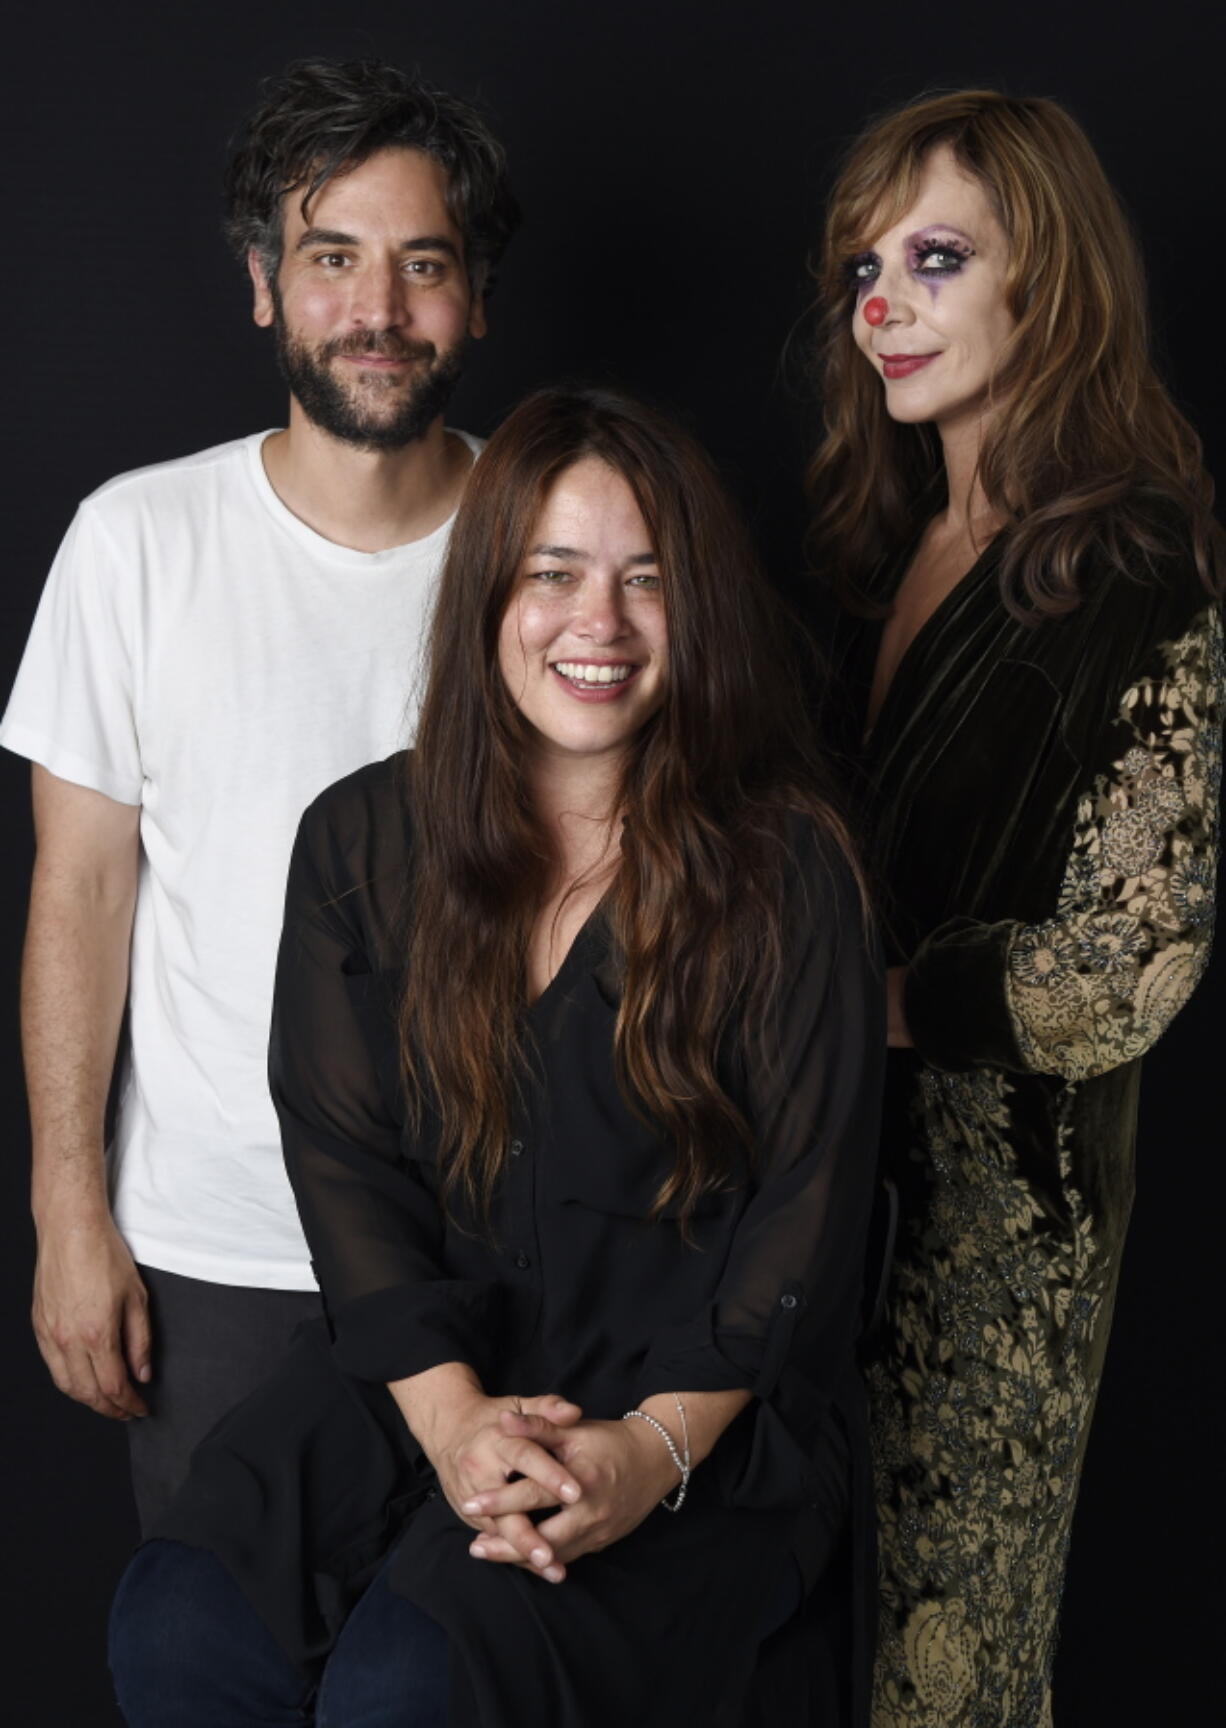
(500, 1460)
(620, 1471)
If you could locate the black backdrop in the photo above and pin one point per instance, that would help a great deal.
(671, 156)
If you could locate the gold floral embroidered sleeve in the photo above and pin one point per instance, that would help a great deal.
(1096, 984)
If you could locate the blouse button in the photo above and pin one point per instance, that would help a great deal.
(787, 1301)
(522, 1261)
(517, 1147)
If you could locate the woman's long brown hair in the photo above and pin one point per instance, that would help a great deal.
(695, 908)
(1088, 449)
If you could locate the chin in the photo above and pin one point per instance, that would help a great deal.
(909, 413)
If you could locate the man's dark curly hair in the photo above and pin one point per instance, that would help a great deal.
(322, 117)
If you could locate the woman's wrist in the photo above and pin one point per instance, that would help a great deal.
(707, 1415)
(653, 1463)
(678, 1449)
(438, 1402)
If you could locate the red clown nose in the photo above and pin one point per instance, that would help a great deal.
(876, 310)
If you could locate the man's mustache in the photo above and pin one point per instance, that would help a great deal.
(385, 343)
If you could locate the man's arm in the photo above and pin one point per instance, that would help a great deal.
(90, 1308)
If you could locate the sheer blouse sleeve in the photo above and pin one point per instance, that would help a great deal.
(790, 1291)
(369, 1211)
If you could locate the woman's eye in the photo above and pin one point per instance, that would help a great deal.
(648, 579)
(939, 260)
(864, 268)
(552, 577)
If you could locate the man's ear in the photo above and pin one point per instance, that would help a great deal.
(262, 309)
(477, 325)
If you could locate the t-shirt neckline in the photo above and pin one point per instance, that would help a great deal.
(317, 545)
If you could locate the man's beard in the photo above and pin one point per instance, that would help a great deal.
(361, 416)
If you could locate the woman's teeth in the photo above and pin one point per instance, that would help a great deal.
(582, 672)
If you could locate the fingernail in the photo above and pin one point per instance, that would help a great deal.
(554, 1574)
(540, 1556)
(471, 1506)
(477, 1553)
(569, 1491)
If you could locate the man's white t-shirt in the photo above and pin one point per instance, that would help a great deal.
(202, 653)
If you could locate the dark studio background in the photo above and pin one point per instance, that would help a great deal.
(672, 157)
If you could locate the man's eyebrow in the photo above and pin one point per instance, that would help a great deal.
(324, 237)
(419, 243)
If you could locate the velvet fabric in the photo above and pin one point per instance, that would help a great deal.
(1039, 805)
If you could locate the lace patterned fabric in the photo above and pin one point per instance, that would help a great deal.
(1007, 1259)
(1095, 985)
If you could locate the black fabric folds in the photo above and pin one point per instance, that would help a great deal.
(570, 1289)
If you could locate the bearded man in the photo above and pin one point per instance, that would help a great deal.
(221, 637)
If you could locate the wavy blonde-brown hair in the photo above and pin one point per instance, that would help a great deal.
(1091, 449)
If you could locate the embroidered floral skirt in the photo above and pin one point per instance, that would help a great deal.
(982, 1398)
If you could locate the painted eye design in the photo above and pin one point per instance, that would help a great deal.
(939, 258)
(864, 268)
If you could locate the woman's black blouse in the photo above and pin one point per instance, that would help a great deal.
(571, 1288)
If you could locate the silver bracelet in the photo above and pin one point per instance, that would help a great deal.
(680, 1459)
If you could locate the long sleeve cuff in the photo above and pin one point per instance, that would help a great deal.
(687, 1358)
(701, 1357)
(956, 997)
(390, 1334)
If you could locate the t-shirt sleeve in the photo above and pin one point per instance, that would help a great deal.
(790, 1294)
(73, 708)
(369, 1209)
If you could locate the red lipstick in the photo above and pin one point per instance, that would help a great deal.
(903, 365)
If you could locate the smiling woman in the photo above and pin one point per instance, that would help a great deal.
(577, 1045)
(583, 643)
(1017, 517)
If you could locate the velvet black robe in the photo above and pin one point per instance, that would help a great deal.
(1041, 805)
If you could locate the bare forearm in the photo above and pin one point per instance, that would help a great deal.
(90, 1309)
(434, 1401)
(707, 1414)
(74, 982)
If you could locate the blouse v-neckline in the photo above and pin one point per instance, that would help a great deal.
(909, 657)
(579, 945)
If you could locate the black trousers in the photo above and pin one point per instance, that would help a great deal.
(212, 1345)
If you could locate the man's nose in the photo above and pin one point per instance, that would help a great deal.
(379, 301)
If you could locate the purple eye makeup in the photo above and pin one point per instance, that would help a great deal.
(862, 271)
(933, 255)
(937, 254)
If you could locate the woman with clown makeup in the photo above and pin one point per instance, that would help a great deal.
(1019, 525)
